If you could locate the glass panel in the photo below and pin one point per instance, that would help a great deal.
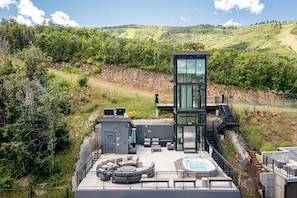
(201, 99)
(201, 119)
(192, 118)
(195, 96)
(183, 96)
(198, 96)
(181, 118)
(200, 70)
(191, 70)
(185, 99)
(189, 97)
(179, 138)
(201, 137)
(181, 70)
(189, 137)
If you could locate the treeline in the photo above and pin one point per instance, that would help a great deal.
(67, 44)
(250, 69)
(256, 70)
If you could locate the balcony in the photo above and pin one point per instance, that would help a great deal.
(169, 179)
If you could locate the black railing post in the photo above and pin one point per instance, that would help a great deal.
(31, 192)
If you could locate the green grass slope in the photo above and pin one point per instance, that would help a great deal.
(266, 37)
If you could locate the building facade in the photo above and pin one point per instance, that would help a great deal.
(190, 85)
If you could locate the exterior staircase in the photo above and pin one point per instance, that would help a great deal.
(211, 138)
(212, 135)
(229, 117)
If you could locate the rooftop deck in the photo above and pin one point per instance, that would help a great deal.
(165, 167)
(282, 162)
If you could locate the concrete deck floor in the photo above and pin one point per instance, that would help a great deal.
(164, 166)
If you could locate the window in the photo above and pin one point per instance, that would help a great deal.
(190, 97)
(191, 70)
(190, 118)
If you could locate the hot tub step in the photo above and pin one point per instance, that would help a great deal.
(190, 151)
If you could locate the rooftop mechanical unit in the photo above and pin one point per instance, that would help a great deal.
(108, 112)
(120, 111)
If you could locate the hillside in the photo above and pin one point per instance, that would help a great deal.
(134, 84)
(152, 83)
(269, 37)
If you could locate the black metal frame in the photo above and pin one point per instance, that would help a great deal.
(189, 55)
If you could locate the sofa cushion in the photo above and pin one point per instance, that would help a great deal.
(135, 158)
(124, 159)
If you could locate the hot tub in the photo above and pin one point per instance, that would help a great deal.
(202, 167)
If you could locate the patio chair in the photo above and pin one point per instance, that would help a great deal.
(155, 141)
(147, 142)
(170, 145)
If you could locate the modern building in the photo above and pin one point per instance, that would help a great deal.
(192, 168)
(190, 100)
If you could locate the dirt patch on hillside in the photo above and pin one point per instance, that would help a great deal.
(163, 84)
(140, 79)
(288, 40)
(153, 83)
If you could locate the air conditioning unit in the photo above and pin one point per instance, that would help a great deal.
(108, 112)
(120, 111)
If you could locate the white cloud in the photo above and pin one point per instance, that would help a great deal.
(22, 20)
(184, 19)
(6, 3)
(231, 22)
(29, 15)
(29, 12)
(62, 18)
(254, 6)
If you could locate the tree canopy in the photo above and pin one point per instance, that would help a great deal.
(32, 126)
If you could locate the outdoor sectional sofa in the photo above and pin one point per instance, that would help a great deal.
(126, 177)
(121, 177)
(111, 168)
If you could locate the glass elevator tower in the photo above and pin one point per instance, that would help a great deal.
(190, 100)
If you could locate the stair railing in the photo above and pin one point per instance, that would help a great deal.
(233, 112)
(223, 163)
(217, 138)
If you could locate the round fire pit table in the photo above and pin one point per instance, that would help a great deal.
(128, 169)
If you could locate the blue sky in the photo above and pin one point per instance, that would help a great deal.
(105, 13)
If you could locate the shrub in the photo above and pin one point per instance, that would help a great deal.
(267, 147)
(90, 60)
(131, 114)
(83, 79)
(65, 68)
(6, 182)
(97, 69)
(75, 71)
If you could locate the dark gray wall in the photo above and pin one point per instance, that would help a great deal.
(161, 131)
(291, 190)
(122, 130)
(157, 193)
